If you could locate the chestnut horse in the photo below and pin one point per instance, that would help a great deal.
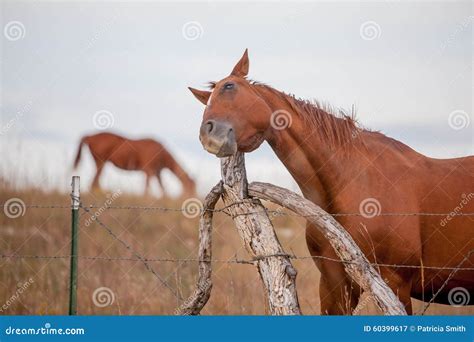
(347, 169)
(146, 155)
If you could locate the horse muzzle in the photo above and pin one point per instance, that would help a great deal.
(218, 137)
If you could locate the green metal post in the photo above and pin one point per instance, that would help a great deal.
(75, 200)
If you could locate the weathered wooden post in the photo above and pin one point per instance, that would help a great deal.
(257, 233)
(194, 304)
(355, 262)
(75, 202)
(276, 271)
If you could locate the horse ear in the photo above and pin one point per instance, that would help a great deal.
(241, 69)
(201, 95)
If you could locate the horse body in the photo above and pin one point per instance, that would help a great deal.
(449, 188)
(384, 173)
(346, 169)
(145, 155)
(397, 180)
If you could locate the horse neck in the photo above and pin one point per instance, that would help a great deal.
(317, 167)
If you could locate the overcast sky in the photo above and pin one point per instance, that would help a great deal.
(407, 66)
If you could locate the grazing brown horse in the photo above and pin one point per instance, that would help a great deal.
(348, 169)
(146, 155)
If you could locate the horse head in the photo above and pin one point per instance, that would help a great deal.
(236, 118)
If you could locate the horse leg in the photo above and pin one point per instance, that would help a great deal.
(401, 285)
(99, 167)
(147, 183)
(338, 294)
(160, 183)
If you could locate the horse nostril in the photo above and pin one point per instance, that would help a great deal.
(209, 126)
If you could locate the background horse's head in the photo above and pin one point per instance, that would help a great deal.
(189, 189)
(236, 117)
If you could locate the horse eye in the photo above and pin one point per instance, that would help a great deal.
(228, 86)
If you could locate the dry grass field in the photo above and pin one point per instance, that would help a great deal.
(154, 234)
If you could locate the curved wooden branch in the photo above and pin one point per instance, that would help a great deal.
(257, 233)
(355, 262)
(194, 304)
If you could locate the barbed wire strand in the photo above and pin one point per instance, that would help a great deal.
(453, 272)
(136, 254)
(231, 261)
(277, 212)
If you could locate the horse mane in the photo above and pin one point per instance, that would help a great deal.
(336, 126)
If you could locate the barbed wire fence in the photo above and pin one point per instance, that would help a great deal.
(223, 210)
(137, 257)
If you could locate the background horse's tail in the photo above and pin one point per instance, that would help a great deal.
(79, 149)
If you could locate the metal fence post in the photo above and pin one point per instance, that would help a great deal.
(75, 200)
